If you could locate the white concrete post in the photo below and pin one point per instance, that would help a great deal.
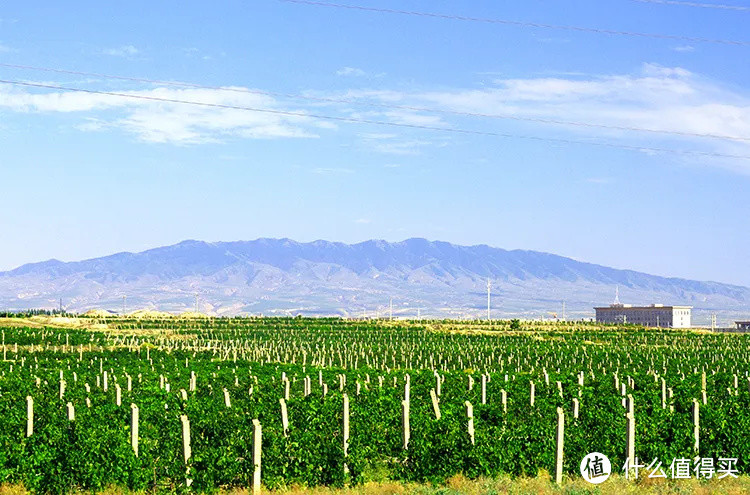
(71, 412)
(559, 445)
(405, 430)
(470, 420)
(630, 440)
(435, 405)
(346, 430)
(284, 417)
(257, 439)
(29, 416)
(134, 428)
(696, 427)
(186, 452)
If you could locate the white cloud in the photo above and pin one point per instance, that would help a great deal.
(674, 100)
(6, 49)
(351, 71)
(363, 221)
(167, 122)
(393, 144)
(684, 48)
(122, 51)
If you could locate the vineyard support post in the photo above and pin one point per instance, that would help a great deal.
(257, 439)
(559, 445)
(696, 428)
(186, 452)
(134, 413)
(405, 430)
(470, 420)
(284, 417)
(630, 440)
(345, 428)
(29, 416)
(435, 405)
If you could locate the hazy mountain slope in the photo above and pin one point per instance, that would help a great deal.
(330, 277)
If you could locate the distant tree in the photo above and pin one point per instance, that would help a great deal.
(515, 324)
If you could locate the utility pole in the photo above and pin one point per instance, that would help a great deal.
(391, 310)
(196, 302)
(713, 321)
(124, 298)
(563, 311)
(419, 314)
(489, 287)
(61, 305)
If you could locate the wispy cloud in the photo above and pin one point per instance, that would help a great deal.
(394, 144)
(193, 52)
(164, 122)
(363, 221)
(351, 71)
(357, 72)
(684, 48)
(122, 51)
(6, 49)
(599, 180)
(618, 108)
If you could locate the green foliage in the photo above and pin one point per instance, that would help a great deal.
(94, 452)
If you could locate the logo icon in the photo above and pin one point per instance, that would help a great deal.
(595, 468)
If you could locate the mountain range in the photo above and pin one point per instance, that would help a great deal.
(281, 276)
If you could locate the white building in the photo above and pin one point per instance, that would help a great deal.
(655, 315)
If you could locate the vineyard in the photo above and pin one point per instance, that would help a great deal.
(175, 404)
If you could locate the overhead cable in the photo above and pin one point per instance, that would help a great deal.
(508, 22)
(386, 105)
(647, 149)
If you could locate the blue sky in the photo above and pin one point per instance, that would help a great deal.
(87, 174)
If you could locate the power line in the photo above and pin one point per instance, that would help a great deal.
(508, 22)
(537, 120)
(375, 122)
(737, 8)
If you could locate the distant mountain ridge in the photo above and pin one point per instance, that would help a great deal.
(323, 277)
